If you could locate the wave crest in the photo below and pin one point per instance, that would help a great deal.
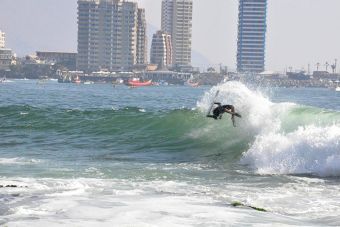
(308, 150)
(286, 138)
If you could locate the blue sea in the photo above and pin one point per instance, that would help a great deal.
(98, 155)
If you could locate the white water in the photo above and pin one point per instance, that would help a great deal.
(18, 161)
(308, 149)
(100, 202)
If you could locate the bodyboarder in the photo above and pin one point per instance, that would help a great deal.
(221, 109)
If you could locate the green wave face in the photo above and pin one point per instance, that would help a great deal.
(184, 135)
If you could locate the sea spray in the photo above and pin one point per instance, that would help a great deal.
(308, 150)
(258, 112)
(286, 138)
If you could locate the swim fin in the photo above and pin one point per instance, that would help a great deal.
(237, 115)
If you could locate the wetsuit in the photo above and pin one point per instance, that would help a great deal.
(218, 111)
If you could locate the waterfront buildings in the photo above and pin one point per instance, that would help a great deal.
(6, 56)
(251, 35)
(64, 58)
(161, 49)
(2, 39)
(177, 21)
(111, 35)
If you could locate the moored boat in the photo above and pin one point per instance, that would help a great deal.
(135, 82)
(76, 80)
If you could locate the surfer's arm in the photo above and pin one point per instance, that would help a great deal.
(217, 103)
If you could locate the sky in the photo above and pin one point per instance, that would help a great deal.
(299, 32)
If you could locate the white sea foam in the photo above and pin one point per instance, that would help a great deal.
(259, 114)
(114, 202)
(306, 149)
(97, 202)
(18, 161)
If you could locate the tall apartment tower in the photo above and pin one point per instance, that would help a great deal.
(177, 21)
(108, 35)
(161, 49)
(141, 38)
(251, 35)
(2, 39)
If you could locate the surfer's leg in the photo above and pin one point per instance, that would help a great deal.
(233, 120)
(212, 116)
(238, 115)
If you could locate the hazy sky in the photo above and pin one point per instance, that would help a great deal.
(299, 31)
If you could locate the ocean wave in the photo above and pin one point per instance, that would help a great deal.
(308, 150)
(286, 138)
(267, 129)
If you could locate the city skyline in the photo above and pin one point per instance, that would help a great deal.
(291, 41)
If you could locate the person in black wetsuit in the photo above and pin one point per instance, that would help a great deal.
(221, 109)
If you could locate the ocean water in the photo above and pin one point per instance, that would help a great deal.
(97, 155)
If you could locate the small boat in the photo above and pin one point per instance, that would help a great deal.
(88, 82)
(135, 82)
(76, 80)
(193, 84)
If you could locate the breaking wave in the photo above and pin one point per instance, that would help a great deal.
(286, 138)
(271, 138)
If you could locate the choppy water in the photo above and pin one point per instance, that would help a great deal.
(94, 155)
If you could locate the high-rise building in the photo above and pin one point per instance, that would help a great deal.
(177, 21)
(161, 49)
(6, 55)
(109, 35)
(2, 39)
(141, 38)
(251, 35)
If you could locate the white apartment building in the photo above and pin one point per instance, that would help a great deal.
(109, 36)
(141, 38)
(2, 39)
(177, 21)
(161, 49)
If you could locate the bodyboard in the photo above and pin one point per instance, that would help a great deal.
(212, 104)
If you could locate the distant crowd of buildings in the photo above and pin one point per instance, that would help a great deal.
(112, 37)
